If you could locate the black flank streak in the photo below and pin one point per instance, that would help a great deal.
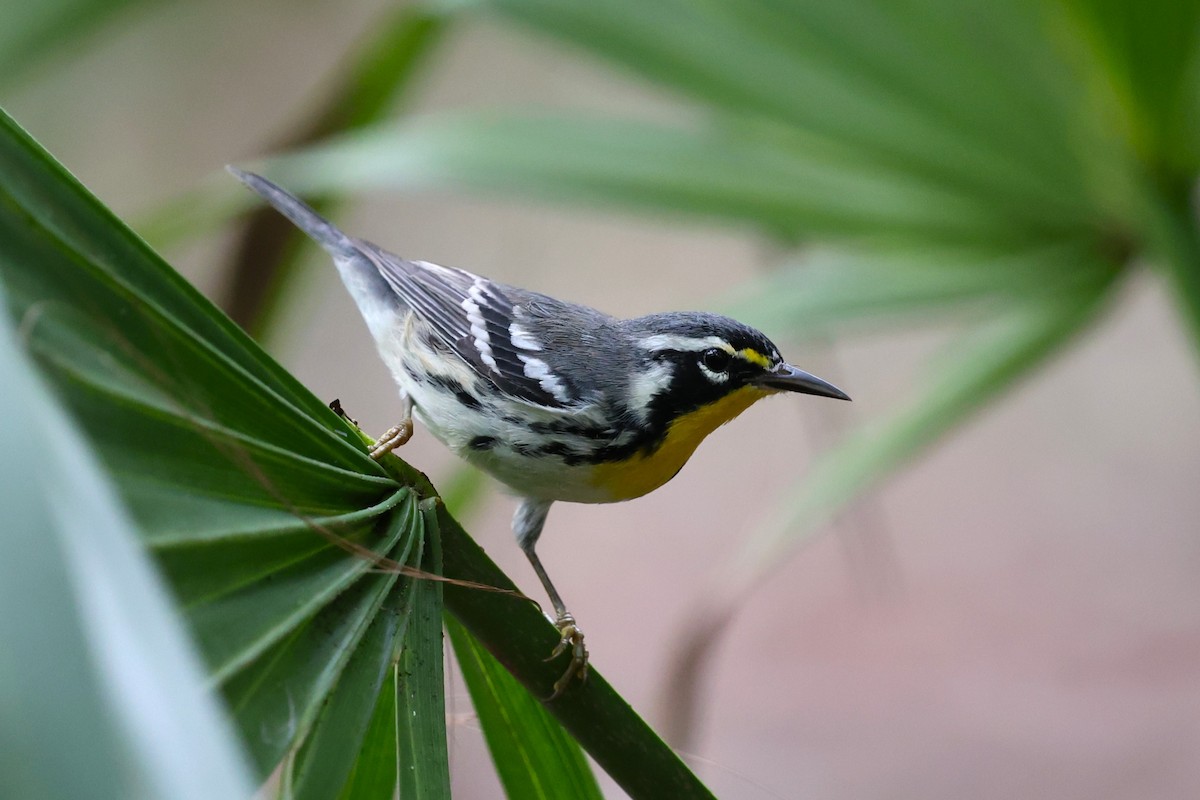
(455, 388)
(482, 443)
(570, 429)
(570, 457)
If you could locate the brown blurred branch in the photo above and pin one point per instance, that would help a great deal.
(381, 73)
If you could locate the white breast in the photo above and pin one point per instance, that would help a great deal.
(513, 458)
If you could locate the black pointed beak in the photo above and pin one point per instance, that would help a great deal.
(787, 378)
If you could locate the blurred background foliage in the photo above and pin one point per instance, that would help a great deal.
(1004, 164)
(1005, 167)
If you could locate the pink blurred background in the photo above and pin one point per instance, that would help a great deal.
(1016, 615)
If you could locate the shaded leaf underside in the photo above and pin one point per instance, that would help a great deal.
(267, 515)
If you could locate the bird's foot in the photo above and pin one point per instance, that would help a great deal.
(394, 437)
(572, 640)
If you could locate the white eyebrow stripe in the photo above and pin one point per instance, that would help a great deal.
(686, 344)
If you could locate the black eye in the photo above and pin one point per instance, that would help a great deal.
(715, 360)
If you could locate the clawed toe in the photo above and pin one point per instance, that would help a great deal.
(394, 437)
(571, 640)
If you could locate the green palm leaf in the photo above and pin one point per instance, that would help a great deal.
(101, 693)
(290, 550)
(533, 754)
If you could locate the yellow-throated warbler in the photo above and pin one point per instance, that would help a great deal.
(556, 400)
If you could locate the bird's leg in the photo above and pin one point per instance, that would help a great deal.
(527, 525)
(396, 435)
(571, 634)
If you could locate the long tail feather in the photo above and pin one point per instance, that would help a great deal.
(322, 231)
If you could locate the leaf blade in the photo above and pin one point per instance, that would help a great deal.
(423, 764)
(62, 220)
(97, 668)
(531, 752)
(343, 754)
(993, 360)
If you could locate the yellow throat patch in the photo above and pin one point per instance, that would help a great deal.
(642, 474)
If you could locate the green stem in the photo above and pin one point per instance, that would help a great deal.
(520, 637)
(1175, 236)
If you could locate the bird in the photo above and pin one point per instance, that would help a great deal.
(555, 400)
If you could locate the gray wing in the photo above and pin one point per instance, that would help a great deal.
(477, 319)
(481, 322)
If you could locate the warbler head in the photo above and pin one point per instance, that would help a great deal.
(696, 360)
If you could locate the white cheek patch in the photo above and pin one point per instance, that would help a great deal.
(647, 385)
